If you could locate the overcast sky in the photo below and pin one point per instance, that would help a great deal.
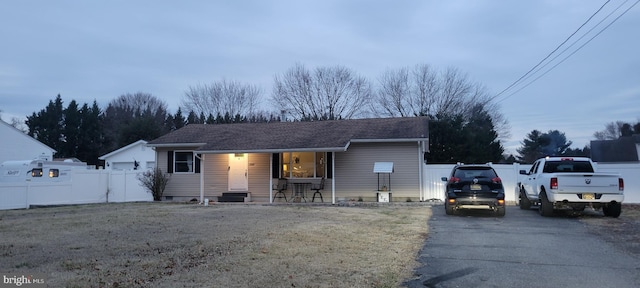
(99, 50)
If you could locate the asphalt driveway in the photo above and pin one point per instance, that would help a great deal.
(522, 249)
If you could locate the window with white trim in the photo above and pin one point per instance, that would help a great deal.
(303, 164)
(183, 162)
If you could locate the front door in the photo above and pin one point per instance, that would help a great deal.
(238, 173)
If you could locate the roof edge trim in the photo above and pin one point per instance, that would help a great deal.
(279, 150)
(389, 140)
(176, 145)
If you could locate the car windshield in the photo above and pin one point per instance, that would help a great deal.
(474, 172)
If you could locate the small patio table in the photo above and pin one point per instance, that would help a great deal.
(300, 191)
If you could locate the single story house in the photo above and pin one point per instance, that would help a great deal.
(622, 150)
(18, 146)
(206, 160)
(135, 156)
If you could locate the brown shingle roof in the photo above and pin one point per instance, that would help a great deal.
(334, 135)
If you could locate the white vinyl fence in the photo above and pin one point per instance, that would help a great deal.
(434, 186)
(85, 186)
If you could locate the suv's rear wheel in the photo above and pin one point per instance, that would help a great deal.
(447, 207)
(546, 207)
(500, 211)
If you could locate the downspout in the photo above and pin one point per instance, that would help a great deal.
(201, 157)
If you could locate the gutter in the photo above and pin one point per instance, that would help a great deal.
(176, 145)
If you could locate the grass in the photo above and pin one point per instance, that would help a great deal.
(168, 245)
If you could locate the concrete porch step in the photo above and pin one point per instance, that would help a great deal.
(235, 197)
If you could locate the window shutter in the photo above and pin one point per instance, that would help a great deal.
(275, 165)
(197, 163)
(330, 165)
(170, 161)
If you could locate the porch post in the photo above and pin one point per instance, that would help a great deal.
(333, 178)
(271, 179)
(420, 169)
(201, 178)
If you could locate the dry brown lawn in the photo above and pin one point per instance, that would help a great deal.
(623, 231)
(189, 245)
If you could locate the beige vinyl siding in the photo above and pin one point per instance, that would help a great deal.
(180, 184)
(215, 174)
(354, 170)
(259, 173)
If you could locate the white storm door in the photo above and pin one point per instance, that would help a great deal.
(238, 172)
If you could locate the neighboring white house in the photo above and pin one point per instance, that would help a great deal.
(127, 157)
(16, 145)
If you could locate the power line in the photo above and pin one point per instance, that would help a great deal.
(571, 54)
(577, 40)
(551, 53)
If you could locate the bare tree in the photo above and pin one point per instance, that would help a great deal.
(222, 97)
(16, 123)
(395, 89)
(612, 131)
(422, 90)
(326, 93)
(138, 101)
(19, 124)
(425, 90)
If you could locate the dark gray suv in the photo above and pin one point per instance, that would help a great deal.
(474, 187)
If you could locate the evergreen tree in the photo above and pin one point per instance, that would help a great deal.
(469, 138)
(47, 125)
(538, 145)
(210, 119)
(71, 131)
(178, 120)
(193, 118)
(481, 140)
(531, 149)
(91, 135)
(129, 112)
(142, 127)
(446, 140)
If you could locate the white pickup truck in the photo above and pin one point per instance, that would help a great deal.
(561, 183)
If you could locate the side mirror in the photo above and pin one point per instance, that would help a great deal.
(524, 172)
(444, 179)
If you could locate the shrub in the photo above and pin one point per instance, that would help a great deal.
(155, 181)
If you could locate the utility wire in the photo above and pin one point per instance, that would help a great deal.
(575, 42)
(551, 53)
(574, 52)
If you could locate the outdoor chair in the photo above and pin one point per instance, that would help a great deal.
(280, 188)
(317, 188)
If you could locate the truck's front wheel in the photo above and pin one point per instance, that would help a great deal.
(546, 207)
(525, 203)
(613, 209)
